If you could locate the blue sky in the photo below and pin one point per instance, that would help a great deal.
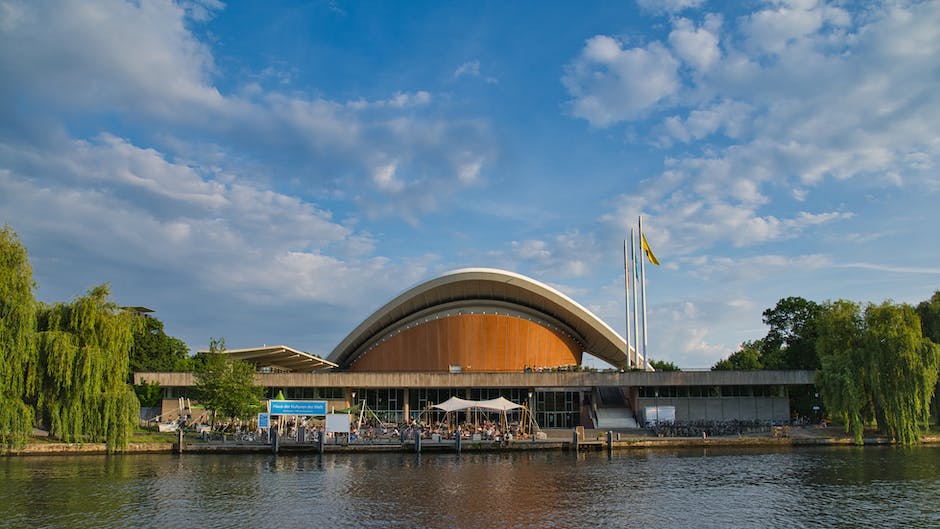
(274, 172)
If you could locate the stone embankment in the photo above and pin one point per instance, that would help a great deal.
(594, 441)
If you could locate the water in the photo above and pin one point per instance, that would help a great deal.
(805, 487)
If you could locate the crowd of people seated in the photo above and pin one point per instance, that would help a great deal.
(309, 430)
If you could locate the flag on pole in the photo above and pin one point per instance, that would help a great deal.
(649, 253)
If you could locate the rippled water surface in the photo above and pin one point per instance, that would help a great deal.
(806, 487)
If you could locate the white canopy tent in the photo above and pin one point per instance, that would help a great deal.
(500, 405)
(458, 404)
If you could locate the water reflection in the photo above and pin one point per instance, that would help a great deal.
(832, 487)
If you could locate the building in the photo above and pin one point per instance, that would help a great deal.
(483, 333)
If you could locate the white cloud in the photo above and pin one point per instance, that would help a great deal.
(565, 255)
(789, 23)
(668, 6)
(114, 53)
(469, 68)
(726, 116)
(612, 84)
(141, 64)
(133, 206)
(698, 47)
(384, 178)
(848, 101)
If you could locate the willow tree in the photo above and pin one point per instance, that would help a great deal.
(842, 379)
(903, 370)
(877, 366)
(17, 347)
(83, 351)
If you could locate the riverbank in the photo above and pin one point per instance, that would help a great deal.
(561, 440)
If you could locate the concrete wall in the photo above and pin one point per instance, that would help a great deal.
(688, 409)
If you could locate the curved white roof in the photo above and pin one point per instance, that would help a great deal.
(486, 284)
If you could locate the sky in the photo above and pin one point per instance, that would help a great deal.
(274, 172)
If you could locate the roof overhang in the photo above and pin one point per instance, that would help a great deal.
(279, 357)
(486, 284)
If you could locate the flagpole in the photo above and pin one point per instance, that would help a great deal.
(643, 283)
(626, 299)
(636, 306)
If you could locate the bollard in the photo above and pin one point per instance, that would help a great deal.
(610, 440)
(574, 440)
(417, 442)
(274, 441)
(320, 435)
(301, 434)
(457, 442)
(179, 441)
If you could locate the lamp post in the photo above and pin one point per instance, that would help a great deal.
(531, 416)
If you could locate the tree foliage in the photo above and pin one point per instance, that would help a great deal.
(791, 341)
(663, 365)
(154, 350)
(148, 394)
(17, 344)
(746, 358)
(227, 386)
(83, 356)
(929, 312)
(877, 366)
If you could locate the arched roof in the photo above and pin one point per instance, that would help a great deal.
(481, 285)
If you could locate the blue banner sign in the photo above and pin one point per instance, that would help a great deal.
(297, 407)
(264, 420)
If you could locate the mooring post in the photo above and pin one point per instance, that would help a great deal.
(179, 440)
(417, 441)
(457, 441)
(610, 440)
(275, 440)
(320, 435)
(574, 440)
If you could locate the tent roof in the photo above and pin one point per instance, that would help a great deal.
(279, 357)
(458, 404)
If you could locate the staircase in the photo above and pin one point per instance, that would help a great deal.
(613, 410)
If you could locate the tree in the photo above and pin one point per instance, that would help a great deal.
(153, 350)
(227, 386)
(791, 341)
(902, 369)
(17, 343)
(747, 358)
(662, 365)
(877, 366)
(148, 394)
(83, 349)
(841, 378)
(929, 312)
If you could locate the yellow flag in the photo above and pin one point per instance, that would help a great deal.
(649, 253)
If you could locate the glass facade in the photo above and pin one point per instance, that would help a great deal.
(711, 391)
(387, 403)
(558, 409)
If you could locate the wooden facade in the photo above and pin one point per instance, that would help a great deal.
(475, 342)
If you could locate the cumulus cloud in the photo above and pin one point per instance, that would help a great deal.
(612, 84)
(566, 255)
(141, 62)
(847, 101)
(668, 6)
(697, 46)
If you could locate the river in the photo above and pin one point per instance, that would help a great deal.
(698, 488)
